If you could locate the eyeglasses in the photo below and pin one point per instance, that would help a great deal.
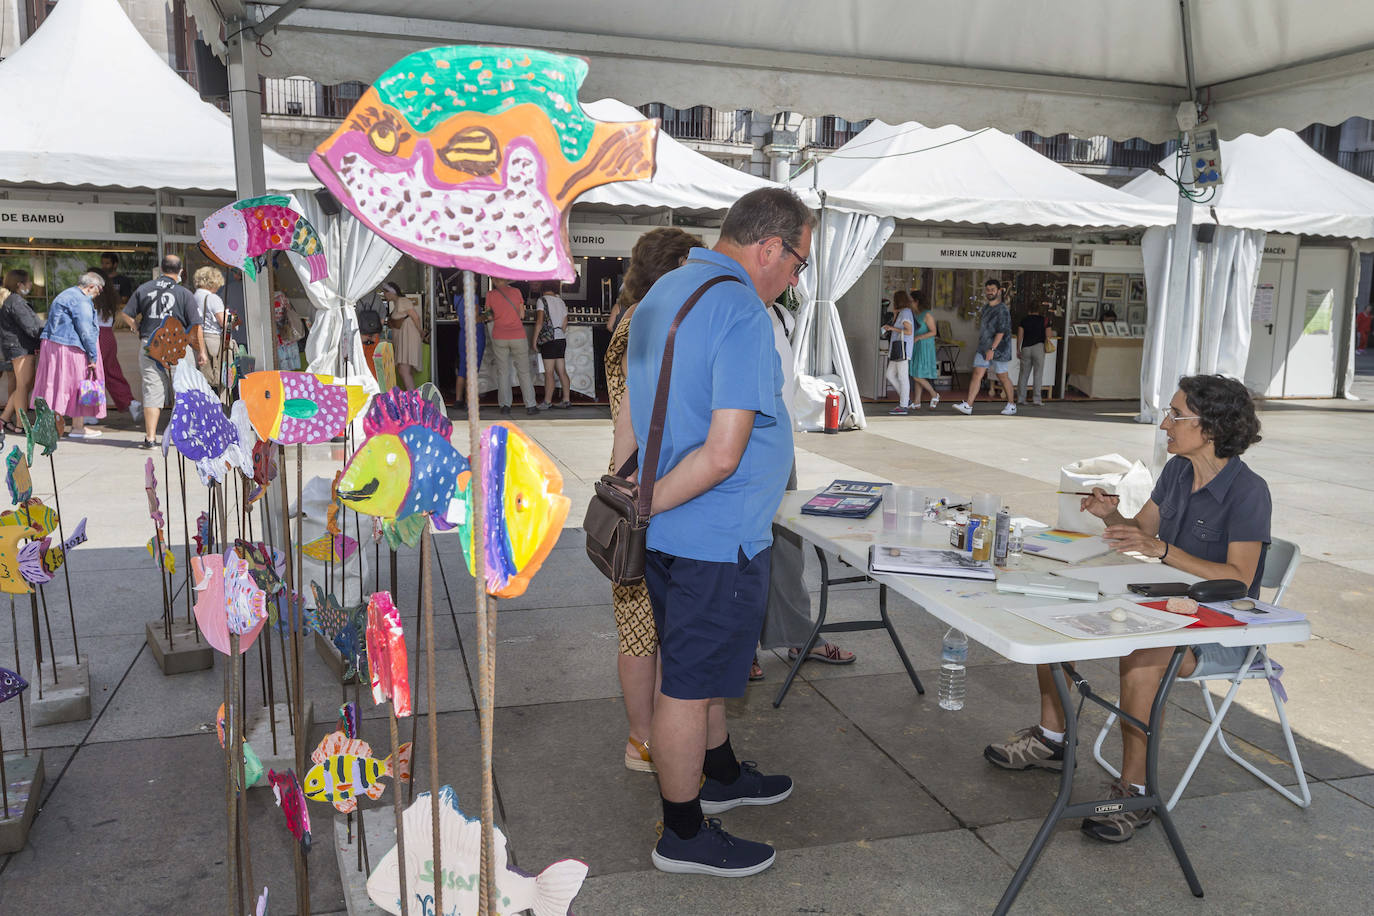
(801, 261)
(1173, 416)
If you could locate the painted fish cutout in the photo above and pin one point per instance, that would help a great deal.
(267, 573)
(212, 606)
(331, 515)
(198, 427)
(525, 509)
(336, 743)
(205, 534)
(169, 343)
(334, 549)
(471, 157)
(252, 764)
(11, 684)
(12, 582)
(240, 235)
(407, 465)
(349, 642)
(31, 513)
(150, 487)
(262, 904)
(247, 439)
(54, 558)
(295, 407)
(17, 476)
(245, 604)
(330, 616)
(388, 664)
(384, 365)
(42, 430)
(287, 789)
(169, 559)
(342, 778)
(348, 719)
(550, 893)
(38, 563)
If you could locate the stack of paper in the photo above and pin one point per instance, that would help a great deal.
(1068, 546)
(927, 561)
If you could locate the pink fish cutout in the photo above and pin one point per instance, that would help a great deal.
(245, 604)
(212, 604)
(291, 799)
(150, 486)
(386, 654)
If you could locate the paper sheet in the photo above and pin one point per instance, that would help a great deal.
(1112, 580)
(1261, 613)
(1093, 620)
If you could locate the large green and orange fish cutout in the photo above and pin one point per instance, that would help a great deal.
(407, 467)
(471, 157)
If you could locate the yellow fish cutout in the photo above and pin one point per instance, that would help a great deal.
(11, 582)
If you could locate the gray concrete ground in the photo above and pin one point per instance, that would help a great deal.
(894, 812)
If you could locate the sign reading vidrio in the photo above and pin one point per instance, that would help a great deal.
(23, 220)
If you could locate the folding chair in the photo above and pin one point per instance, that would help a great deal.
(947, 348)
(1281, 564)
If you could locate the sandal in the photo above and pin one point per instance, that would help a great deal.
(756, 670)
(826, 652)
(13, 428)
(639, 760)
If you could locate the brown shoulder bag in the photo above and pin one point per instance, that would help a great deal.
(617, 520)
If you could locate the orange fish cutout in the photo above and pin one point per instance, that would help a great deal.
(471, 157)
(168, 343)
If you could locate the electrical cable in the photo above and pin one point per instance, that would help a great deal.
(924, 149)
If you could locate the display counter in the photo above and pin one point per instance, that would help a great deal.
(1105, 367)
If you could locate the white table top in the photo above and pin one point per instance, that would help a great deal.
(978, 609)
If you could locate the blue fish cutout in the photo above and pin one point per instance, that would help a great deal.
(11, 684)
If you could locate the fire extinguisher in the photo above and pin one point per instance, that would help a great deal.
(832, 411)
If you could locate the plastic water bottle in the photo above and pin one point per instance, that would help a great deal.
(953, 656)
(1016, 547)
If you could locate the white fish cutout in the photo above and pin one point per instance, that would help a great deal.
(550, 893)
(198, 427)
(247, 437)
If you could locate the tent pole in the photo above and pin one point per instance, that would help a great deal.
(245, 113)
(431, 281)
(157, 216)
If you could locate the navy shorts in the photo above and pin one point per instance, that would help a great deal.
(709, 616)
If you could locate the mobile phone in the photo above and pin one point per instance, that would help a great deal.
(1159, 589)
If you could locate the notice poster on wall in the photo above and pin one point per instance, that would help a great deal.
(1262, 307)
(1317, 315)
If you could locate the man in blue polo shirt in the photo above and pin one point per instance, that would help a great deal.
(726, 454)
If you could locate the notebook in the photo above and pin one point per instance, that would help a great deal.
(927, 561)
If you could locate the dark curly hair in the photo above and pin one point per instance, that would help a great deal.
(655, 253)
(1225, 410)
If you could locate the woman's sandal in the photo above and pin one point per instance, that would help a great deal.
(639, 760)
(826, 652)
(755, 669)
(12, 427)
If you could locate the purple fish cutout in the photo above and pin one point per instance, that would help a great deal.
(11, 685)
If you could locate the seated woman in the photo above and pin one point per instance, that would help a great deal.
(1208, 516)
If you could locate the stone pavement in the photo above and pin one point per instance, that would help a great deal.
(895, 811)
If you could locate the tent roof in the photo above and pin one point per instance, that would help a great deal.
(949, 174)
(683, 178)
(88, 50)
(1279, 184)
(1079, 66)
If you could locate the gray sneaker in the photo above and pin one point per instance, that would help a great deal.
(1118, 826)
(1027, 749)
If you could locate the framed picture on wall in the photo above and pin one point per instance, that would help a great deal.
(1135, 291)
(1123, 329)
(1109, 328)
(1089, 285)
(575, 290)
(1137, 330)
(1114, 292)
(1135, 314)
(1087, 310)
(1097, 329)
(1081, 329)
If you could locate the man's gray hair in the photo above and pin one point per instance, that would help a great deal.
(91, 280)
(767, 213)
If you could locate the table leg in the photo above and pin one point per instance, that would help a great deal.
(1152, 772)
(897, 642)
(815, 631)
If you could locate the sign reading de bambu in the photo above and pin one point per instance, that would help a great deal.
(18, 219)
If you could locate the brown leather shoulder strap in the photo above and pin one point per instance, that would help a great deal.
(654, 441)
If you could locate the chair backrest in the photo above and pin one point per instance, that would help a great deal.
(1280, 566)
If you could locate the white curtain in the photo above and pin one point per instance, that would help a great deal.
(843, 246)
(358, 259)
(1208, 331)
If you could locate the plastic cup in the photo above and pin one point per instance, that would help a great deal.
(910, 508)
(987, 504)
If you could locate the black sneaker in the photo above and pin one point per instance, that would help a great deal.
(752, 788)
(505, 411)
(148, 444)
(531, 410)
(711, 852)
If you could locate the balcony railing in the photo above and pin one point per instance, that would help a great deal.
(702, 123)
(830, 132)
(1101, 151)
(1361, 162)
(303, 98)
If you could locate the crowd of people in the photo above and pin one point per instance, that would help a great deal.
(720, 577)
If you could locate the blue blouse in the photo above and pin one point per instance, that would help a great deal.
(1233, 506)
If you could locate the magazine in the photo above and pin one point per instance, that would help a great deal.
(846, 499)
(1068, 546)
(927, 561)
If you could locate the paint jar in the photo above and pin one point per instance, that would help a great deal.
(979, 537)
(956, 533)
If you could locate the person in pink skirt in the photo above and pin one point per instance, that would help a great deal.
(107, 306)
(70, 353)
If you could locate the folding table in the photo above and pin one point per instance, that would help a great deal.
(976, 608)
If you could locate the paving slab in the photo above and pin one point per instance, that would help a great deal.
(110, 658)
(1245, 847)
(1361, 787)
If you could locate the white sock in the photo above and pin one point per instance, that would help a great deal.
(1053, 736)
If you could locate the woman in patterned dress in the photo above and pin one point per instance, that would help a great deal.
(657, 252)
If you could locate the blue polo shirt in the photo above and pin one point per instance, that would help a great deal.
(723, 359)
(1233, 506)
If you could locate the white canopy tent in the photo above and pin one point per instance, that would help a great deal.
(1081, 66)
(86, 53)
(944, 174)
(1273, 183)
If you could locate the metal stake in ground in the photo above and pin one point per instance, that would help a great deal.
(486, 623)
(14, 634)
(66, 560)
(427, 589)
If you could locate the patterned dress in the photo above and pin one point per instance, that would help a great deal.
(634, 615)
